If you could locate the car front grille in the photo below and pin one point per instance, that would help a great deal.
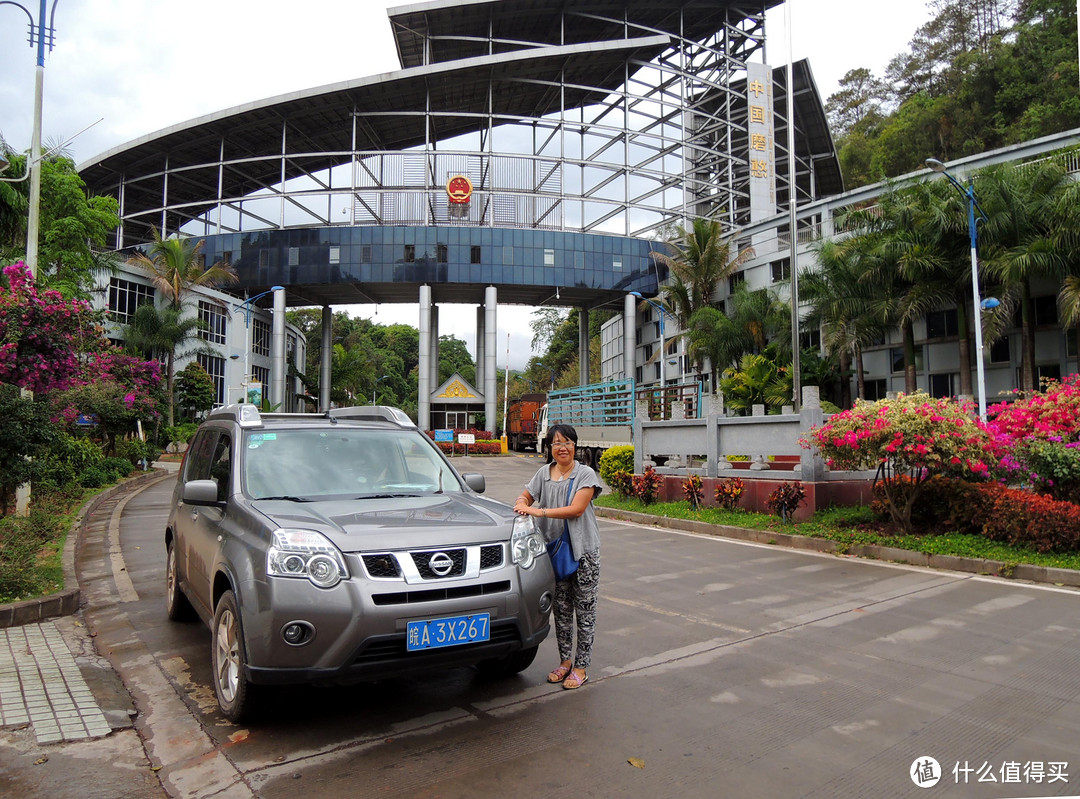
(395, 565)
(438, 594)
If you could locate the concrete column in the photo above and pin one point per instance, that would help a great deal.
(481, 343)
(326, 358)
(278, 369)
(583, 347)
(811, 464)
(491, 307)
(630, 336)
(423, 383)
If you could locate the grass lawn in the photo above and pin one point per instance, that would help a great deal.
(851, 526)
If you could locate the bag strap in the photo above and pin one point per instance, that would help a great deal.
(569, 496)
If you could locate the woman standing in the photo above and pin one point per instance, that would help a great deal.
(560, 496)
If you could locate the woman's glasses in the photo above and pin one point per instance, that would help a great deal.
(562, 444)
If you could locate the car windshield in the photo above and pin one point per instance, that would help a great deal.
(342, 462)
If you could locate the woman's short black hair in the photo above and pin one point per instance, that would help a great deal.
(567, 432)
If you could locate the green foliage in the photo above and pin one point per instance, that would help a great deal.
(121, 467)
(30, 546)
(94, 477)
(26, 433)
(622, 482)
(195, 391)
(181, 433)
(616, 459)
(136, 451)
(757, 381)
(1054, 468)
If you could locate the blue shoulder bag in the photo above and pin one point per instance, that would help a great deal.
(562, 554)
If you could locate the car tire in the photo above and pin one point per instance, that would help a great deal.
(228, 660)
(177, 606)
(510, 665)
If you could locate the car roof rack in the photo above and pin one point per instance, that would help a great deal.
(243, 413)
(372, 413)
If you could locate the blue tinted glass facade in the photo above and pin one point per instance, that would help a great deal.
(370, 254)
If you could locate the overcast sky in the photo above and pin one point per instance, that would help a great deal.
(143, 65)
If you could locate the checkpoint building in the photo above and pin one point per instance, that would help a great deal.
(526, 152)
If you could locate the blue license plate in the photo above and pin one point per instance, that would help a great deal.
(451, 631)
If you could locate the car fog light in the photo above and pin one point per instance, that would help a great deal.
(545, 602)
(297, 633)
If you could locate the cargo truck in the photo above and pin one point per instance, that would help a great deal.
(523, 420)
(603, 413)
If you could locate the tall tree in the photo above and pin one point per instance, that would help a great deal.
(176, 267)
(163, 333)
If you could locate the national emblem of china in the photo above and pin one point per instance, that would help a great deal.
(459, 189)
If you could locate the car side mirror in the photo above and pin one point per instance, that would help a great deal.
(475, 481)
(200, 492)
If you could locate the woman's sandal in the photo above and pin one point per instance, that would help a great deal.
(559, 674)
(573, 682)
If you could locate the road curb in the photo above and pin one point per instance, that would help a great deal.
(994, 568)
(68, 600)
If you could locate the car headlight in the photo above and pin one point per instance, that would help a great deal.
(305, 553)
(526, 543)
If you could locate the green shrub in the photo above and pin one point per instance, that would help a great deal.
(121, 467)
(616, 459)
(181, 433)
(93, 477)
(622, 482)
(1054, 468)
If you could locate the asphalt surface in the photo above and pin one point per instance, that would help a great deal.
(721, 668)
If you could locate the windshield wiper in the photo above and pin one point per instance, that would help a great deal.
(385, 496)
(289, 498)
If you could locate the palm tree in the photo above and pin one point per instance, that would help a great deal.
(1021, 238)
(176, 267)
(160, 333)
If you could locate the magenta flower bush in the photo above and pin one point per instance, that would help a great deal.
(40, 333)
(907, 440)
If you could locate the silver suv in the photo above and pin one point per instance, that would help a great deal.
(344, 546)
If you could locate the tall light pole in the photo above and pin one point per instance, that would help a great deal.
(245, 306)
(376, 386)
(40, 36)
(973, 204)
(663, 352)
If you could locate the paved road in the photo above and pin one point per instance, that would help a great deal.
(721, 669)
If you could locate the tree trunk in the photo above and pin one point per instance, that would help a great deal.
(965, 331)
(860, 374)
(911, 383)
(169, 387)
(845, 380)
(1027, 341)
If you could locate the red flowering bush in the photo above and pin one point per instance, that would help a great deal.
(1019, 517)
(40, 334)
(693, 490)
(728, 492)
(907, 440)
(621, 482)
(647, 485)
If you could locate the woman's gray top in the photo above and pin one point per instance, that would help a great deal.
(548, 493)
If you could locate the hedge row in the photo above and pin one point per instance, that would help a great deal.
(479, 448)
(1011, 515)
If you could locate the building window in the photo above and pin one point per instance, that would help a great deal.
(260, 337)
(442, 253)
(365, 253)
(999, 350)
(214, 323)
(335, 255)
(508, 256)
(942, 324)
(810, 340)
(1046, 310)
(261, 374)
(294, 256)
(474, 254)
(616, 264)
(1051, 371)
(215, 367)
(897, 356)
(125, 296)
(410, 253)
(549, 257)
(943, 385)
(264, 258)
(735, 280)
(781, 270)
(875, 389)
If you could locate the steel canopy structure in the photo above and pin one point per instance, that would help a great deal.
(588, 131)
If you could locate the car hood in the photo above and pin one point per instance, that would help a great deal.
(433, 520)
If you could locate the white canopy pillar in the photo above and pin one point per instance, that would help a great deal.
(491, 302)
(326, 358)
(423, 387)
(630, 337)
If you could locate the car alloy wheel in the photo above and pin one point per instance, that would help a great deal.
(234, 692)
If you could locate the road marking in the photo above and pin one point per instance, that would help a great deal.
(124, 586)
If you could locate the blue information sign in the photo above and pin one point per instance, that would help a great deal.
(444, 435)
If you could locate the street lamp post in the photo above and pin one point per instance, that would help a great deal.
(246, 306)
(40, 36)
(663, 352)
(973, 204)
(376, 386)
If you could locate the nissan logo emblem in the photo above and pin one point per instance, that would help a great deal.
(441, 564)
